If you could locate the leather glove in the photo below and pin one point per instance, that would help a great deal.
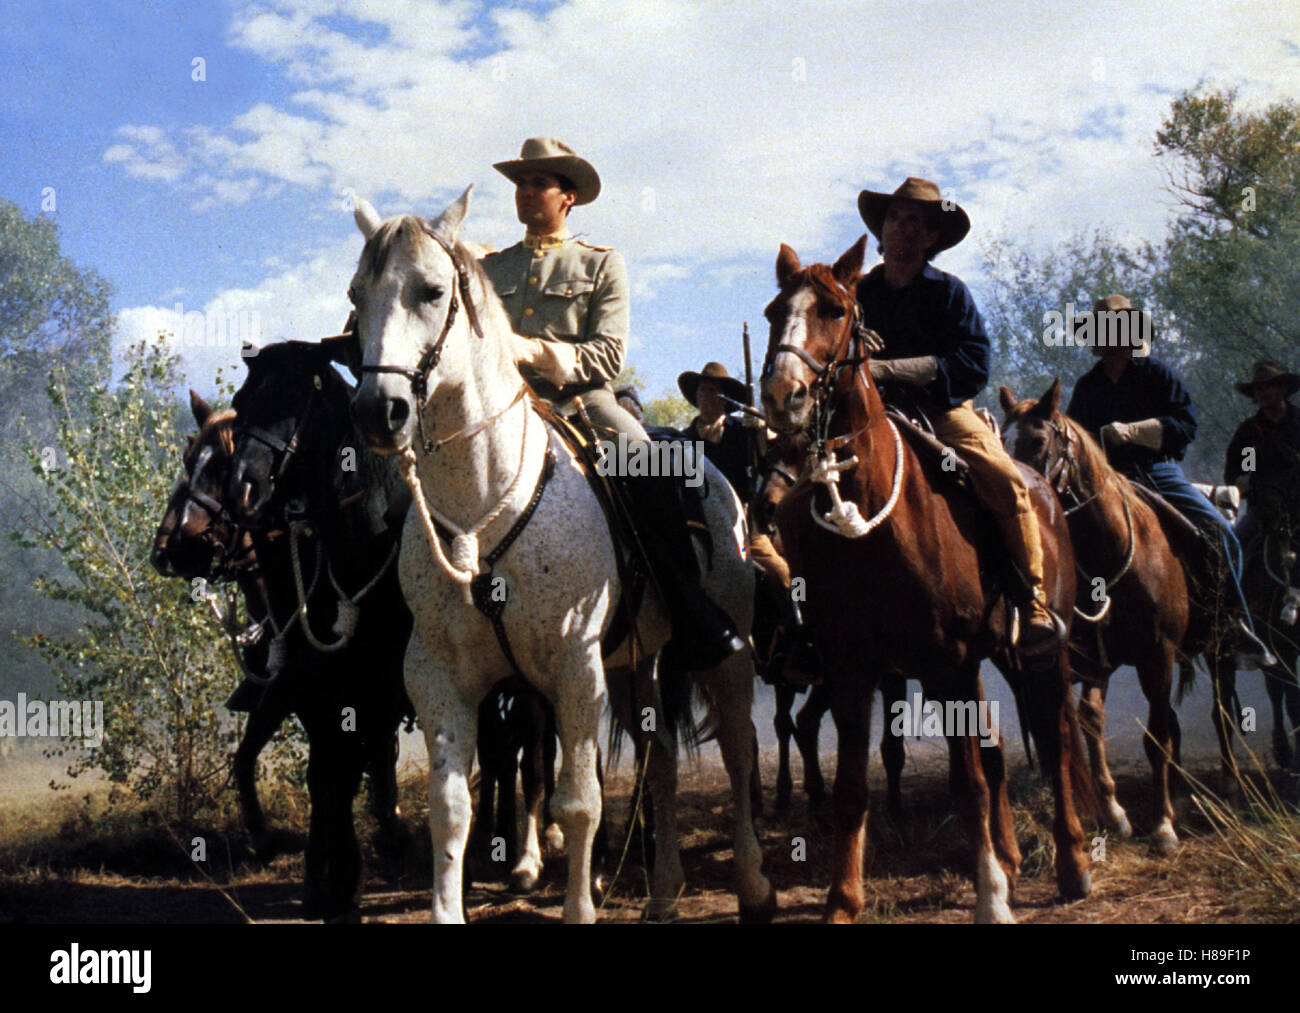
(874, 342)
(552, 360)
(1148, 433)
(917, 371)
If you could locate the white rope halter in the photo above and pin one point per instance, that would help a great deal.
(845, 518)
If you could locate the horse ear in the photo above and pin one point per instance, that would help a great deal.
(1050, 403)
(366, 217)
(787, 264)
(849, 266)
(1007, 397)
(345, 350)
(448, 223)
(199, 407)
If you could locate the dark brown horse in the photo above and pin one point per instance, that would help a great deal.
(903, 595)
(1134, 594)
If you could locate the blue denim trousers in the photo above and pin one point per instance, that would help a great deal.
(1167, 478)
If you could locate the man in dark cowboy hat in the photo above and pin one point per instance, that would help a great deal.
(726, 442)
(1263, 458)
(935, 348)
(568, 304)
(1141, 413)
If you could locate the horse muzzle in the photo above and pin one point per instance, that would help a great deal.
(787, 407)
(385, 421)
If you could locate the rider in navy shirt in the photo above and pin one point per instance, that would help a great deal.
(1142, 415)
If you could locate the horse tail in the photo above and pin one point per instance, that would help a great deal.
(678, 693)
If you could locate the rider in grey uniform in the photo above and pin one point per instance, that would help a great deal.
(567, 300)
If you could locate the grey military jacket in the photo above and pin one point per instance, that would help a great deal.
(567, 290)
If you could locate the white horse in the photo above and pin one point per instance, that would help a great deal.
(440, 387)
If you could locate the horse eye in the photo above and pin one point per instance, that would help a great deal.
(430, 293)
(835, 312)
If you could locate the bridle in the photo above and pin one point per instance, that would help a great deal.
(418, 376)
(283, 451)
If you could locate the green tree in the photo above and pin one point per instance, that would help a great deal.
(162, 671)
(1233, 252)
(1025, 287)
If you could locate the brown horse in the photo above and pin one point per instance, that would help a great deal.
(903, 594)
(1134, 588)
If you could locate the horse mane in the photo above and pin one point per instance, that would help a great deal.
(1094, 469)
(219, 430)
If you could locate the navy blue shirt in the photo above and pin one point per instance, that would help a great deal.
(1147, 389)
(932, 315)
(730, 455)
(1276, 446)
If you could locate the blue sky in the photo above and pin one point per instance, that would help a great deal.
(720, 130)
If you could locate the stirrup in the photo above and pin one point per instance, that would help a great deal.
(1040, 639)
(1252, 653)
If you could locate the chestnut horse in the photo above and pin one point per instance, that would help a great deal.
(908, 599)
(1134, 588)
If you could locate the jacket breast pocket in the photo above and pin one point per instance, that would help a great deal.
(567, 300)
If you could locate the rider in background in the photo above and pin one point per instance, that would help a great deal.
(724, 435)
(1263, 458)
(1142, 415)
(567, 300)
(935, 347)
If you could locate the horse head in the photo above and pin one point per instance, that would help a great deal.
(1042, 436)
(413, 285)
(291, 431)
(813, 329)
(197, 536)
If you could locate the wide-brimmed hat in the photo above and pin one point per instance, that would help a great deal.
(716, 374)
(546, 154)
(953, 221)
(1268, 371)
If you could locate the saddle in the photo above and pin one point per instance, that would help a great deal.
(1000, 574)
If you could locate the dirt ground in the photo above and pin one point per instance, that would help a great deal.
(917, 869)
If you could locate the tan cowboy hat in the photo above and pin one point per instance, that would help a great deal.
(953, 223)
(1268, 371)
(546, 154)
(716, 374)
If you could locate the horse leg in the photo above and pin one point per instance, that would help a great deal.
(1156, 676)
(449, 725)
(732, 687)
(315, 885)
(530, 721)
(1053, 726)
(1092, 719)
(1276, 681)
(1002, 828)
(850, 701)
(577, 801)
(783, 724)
(659, 754)
(971, 795)
(1223, 680)
(807, 731)
(892, 752)
(341, 778)
(262, 724)
(489, 747)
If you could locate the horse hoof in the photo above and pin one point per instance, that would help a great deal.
(554, 838)
(994, 913)
(523, 881)
(760, 914)
(1164, 841)
(659, 911)
(598, 889)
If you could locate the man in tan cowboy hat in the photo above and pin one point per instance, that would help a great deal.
(1139, 410)
(715, 394)
(936, 350)
(567, 300)
(1263, 458)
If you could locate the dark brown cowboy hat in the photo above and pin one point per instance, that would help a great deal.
(953, 221)
(546, 154)
(716, 374)
(1268, 371)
